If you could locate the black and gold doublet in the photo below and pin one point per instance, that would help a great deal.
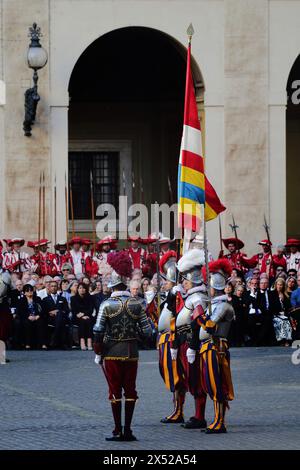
(120, 320)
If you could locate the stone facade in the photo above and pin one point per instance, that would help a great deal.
(244, 50)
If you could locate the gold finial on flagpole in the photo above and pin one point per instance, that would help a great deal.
(190, 31)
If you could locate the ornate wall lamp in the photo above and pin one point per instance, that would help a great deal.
(36, 59)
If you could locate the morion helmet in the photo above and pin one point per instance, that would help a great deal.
(220, 270)
(167, 266)
(190, 265)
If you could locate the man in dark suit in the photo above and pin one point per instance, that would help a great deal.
(56, 311)
(267, 335)
(255, 322)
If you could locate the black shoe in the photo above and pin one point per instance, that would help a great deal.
(194, 423)
(115, 437)
(172, 421)
(221, 430)
(128, 436)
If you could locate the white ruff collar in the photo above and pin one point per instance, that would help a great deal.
(120, 293)
(219, 298)
(201, 288)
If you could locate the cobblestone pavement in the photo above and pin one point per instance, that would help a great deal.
(58, 400)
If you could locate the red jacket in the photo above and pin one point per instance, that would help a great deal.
(47, 264)
(263, 261)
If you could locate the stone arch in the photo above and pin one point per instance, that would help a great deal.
(292, 149)
(96, 94)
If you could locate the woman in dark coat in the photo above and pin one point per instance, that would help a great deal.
(238, 326)
(30, 312)
(84, 313)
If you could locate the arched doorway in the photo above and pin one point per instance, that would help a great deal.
(125, 119)
(293, 150)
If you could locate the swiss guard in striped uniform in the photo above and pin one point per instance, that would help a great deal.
(187, 360)
(166, 330)
(214, 354)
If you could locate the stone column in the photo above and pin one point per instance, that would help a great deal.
(277, 168)
(214, 160)
(59, 168)
(247, 193)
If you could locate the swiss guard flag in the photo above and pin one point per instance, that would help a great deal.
(194, 188)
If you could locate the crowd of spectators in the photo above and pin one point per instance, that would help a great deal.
(59, 310)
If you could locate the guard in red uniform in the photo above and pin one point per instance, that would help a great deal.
(103, 248)
(90, 266)
(15, 260)
(263, 261)
(34, 245)
(136, 253)
(115, 339)
(149, 262)
(63, 256)
(47, 264)
(233, 245)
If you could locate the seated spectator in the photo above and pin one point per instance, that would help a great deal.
(16, 294)
(99, 296)
(292, 272)
(295, 312)
(105, 289)
(30, 312)
(229, 291)
(17, 327)
(56, 310)
(46, 290)
(145, 284)
(291, 285)
(64, 290)
(267, 331)
(66, 270)
(84, 311)
(86, 280)
(135, 288)
(255, 319)
(26, 277)
(280, 308)
(295, 296)
(238, 325)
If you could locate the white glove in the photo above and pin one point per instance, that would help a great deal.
(174, 354)
(191, 355)
(97, 359)
(177, 288)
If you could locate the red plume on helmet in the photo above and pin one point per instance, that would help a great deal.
(220, 265)
(169, 254)
(120, 261)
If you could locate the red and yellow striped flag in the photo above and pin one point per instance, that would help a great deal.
(194, 188)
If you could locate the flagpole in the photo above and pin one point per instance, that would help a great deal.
(93, 211)
(186, 233)
(67, 211)
(72, 208)
(55, 226)
(40, 208)
(44, 205)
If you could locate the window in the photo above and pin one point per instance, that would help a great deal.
(104, 167)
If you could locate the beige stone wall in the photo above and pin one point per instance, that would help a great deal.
(246, 117)
(24, 157)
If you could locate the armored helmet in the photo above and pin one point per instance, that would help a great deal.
(190, 265)
(167, 266)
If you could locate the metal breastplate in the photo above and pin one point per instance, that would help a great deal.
(184, 317)
(122, 315)
(164, 319)
(222, 314)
